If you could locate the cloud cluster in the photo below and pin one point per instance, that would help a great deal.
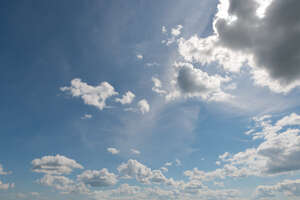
(101, 178)
(5, 186)
(258, 33)
(277, 154)
(289, 188)
(97, 96)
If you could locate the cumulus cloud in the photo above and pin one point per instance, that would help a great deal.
(190, 82)
(91, 95)
(135, 152)
(55, 165)
(126, 98)
(289, 188)
(143, 174)
(139, 56)
(157, 86)
(113, 150)
(143, 106)
(94, 178)
(258, 33)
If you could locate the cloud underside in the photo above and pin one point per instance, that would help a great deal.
(261, 34)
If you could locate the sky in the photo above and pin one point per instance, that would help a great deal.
(152, 100)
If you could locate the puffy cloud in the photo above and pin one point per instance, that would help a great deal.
(168, 164)
(91, 95)
(6, 186)
(113, 150)
(193, 82)
(157, 86)
(126, 98)
(258, 33)
(143, 174)
(287, 187)
(63, 184)
(143, 106)
(2, 172)
(55, 165)
(135, 152)
(134, 169)
(176, 31)
(94, 178)
(139, 56)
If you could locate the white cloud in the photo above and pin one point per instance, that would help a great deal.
(257, 33)
(87, 116)
(91, 95)
(6, 186)
(63, 184)
(139, 56)
(176, 31)
(289, 188)
(2, 172)
(94, 178)
(113, 150)
(157, 86)
(126, 98)
(135, 152)
(143, 106)
(55, 165)
(143, 174)
(163, 29)
(276, 154)
(164, 169)
(168, 164)
(192, 82)
(178, 162)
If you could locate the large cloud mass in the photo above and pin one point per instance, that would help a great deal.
(263, 34)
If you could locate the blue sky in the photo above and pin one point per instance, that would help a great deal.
(149, 100)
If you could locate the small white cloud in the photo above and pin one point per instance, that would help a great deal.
(126, 98)
(87, 116)
(178, 162)
(157, 86)
(135, 152)
(139, 56)
(168, 164)
(113, 150)
(143, 106)
(163, 29)
(176, 31)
